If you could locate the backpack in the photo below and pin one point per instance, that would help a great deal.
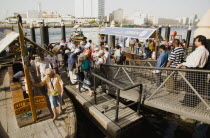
(121, 58)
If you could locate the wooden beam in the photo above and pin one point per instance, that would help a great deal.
(35, 44)
(26, 69)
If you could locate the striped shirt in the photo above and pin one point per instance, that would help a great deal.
(177, 56)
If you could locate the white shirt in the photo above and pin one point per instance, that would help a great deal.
(117, 53)
(146, 44)
(53, 60)
(62, 44)
(132, 42)
(197, 58)
(71, 46)
(43, 65)
(107, 55)
(98, 63)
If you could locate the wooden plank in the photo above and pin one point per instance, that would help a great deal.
(48, 130)
(11, 121)
(60, 128)
(54, 129)
(128, 120)
(3, 111)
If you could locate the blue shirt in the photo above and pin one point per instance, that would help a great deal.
(71, 61)
(162, 60)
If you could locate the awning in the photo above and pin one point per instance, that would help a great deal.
(142, 33)
(8, 40)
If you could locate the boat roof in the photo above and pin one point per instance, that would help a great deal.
(141, 33)
(76, 26)
(10, 37)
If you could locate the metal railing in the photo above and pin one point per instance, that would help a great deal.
(137, 62)
(175, 87)
(118, 89)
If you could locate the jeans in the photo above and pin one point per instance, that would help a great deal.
(146, 50)
(137, 50)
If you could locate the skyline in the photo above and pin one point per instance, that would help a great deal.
(159, 8)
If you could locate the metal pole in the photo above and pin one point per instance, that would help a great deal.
(94, 81)
(117, 105)
(26, 69)
(106, 38)
(63, 31)
(160, 30)
(140, 98)
(112, 41)
(33, 34)
(188, 36)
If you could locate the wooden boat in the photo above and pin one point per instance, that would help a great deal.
(22, 117)
(77, 35)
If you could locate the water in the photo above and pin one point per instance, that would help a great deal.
(55, 34)
(90, 33)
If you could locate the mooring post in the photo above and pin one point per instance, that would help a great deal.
(44, 34)
(33, 34)
(188, 36)
(63, 31)
(167, 33)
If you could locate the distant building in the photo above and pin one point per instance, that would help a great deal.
(51, 15)
(89, 9)
(185, 20)
(117, 16)
(33, 14)
(164, 21)
(193, 20)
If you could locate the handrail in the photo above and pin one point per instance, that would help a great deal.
(118, 92)
(158, 68)
(115, 85)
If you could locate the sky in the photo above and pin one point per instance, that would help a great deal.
(159, 8)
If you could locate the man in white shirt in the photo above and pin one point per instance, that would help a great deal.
(199, 57)
(196, 60)
(131, 45)
(41, 66)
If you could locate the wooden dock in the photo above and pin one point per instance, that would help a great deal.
(106, 119)
(63, 127)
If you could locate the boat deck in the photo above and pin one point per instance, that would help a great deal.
(64, 126)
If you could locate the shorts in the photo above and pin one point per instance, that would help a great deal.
(55, 100)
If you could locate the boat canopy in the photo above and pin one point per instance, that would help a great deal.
(76, 26)
(10, 37)
(141, 33)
